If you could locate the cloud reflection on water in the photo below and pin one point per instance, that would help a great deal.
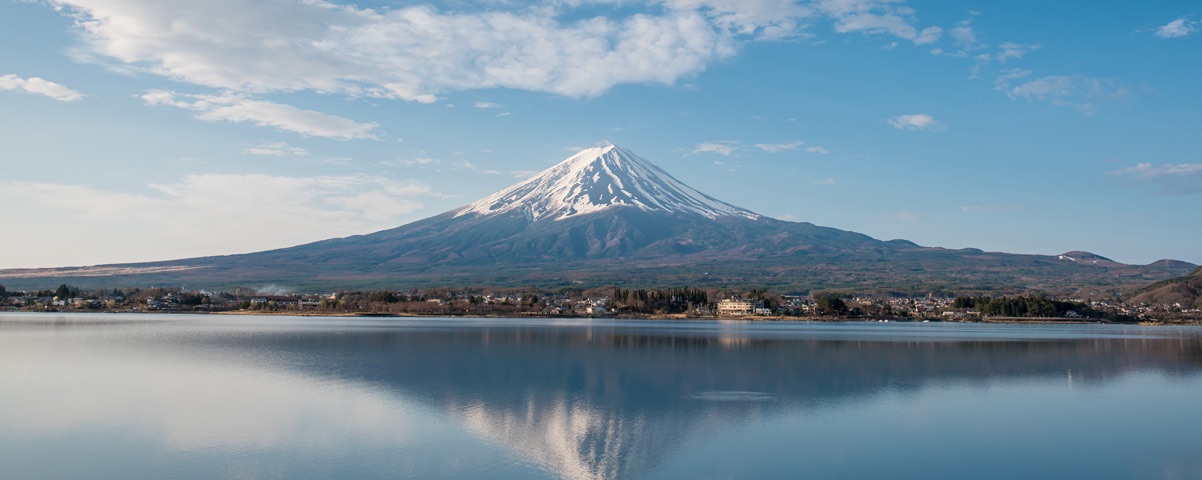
(580, 400)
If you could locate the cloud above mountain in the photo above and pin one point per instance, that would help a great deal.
(39, 86)
(237, 109)
(916, 121)
(417, 52)
(256, 210)
(1170, 178)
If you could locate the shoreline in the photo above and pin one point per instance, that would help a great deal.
(682, 317)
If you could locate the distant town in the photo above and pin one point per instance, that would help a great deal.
(603, 302)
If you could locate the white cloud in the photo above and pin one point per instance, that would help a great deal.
(928, 35)
(828, 181)
(1174, 178)
(416, 162)
(877, 17)
(466, 165)
(39, 86)
(965, 36)
(278, 149)
(918, 121)
(1178, 28)
(410, 53)
(1148, 170)
(235, 108)
(1015, 51)
(818, 150)
(418, 52)
(721, 148)
(762, 19)
(1049, 87)
(254, 212)
(1003, 80)
(1079, 92)
(778, 147)
(488, 105)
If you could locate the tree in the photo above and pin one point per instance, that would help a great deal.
(63, 292)
(3, 292)
(831, 304)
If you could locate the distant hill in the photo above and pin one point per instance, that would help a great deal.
(1186, 290)
(606, 216)
(1086, 258)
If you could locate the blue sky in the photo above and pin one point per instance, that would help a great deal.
(137, 130)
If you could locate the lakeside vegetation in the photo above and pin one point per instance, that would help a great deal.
(683, 302)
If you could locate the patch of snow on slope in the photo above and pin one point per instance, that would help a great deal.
(596, 179)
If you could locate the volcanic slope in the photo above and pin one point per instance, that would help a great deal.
(600, 204)
(605, 216)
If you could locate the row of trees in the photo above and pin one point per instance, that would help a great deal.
(1028, 306)
(526, 301)
(673, 300)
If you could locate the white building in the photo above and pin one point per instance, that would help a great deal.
(736, 306)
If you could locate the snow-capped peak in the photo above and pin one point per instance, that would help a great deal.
(596, 179)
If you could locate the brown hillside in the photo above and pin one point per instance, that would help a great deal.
(1186, 291)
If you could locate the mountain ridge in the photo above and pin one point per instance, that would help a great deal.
(605, 217)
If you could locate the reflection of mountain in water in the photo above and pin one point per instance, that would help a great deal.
(614, 401)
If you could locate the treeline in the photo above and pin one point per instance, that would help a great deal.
(1028, 306)
(672, 300)
(429, 302)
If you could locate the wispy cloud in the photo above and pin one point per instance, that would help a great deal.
(818, 150)
(778, 147)
(828, 181)
(964, 41)
(877, 17)
(235, 108)
(758, 19)
(466, 165)
(1172, 178)
(1015, 51)
(277, 149)
(330, 206)
(488, 105)
(1006, 77)
(724, 148)
(416, 162)
(917, 121)
(1078, 92)
(1179, 28)
(39, 86)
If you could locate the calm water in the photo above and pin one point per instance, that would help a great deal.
(162, 396)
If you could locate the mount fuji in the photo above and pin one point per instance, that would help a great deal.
(605, 216)
(600, 204)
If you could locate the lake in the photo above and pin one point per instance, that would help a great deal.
(212, 396)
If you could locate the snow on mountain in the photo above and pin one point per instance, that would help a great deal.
(597, 179)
